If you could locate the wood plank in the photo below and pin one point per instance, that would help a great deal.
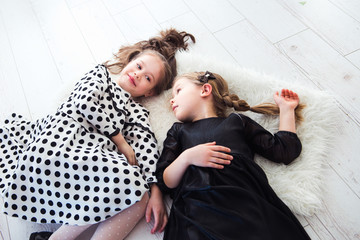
(206, 44)
(319, 228)
(341, 209)
(68, 48)
(351, 7)
(344, 159)
(162, 11)
(117, 6)
(312, 234)
(31, 54)
(218, 14)
(74, 3)
(325, 67)
(135, 28)
(12, 95)
(99, 29)
(354, 58)
(340, 30)
(252, 50)
(270, 18)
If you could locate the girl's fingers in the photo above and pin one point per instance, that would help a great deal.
(219, 161)
(219, 148)
(223, 156)
(164, 222)
(217, 166)
(286, 93)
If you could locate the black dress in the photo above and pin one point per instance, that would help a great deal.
(236, 202)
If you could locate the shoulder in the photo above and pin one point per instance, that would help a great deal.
(177, 126)
(242, 118)
(238, 117)
(98, 75)
(136, 107)
(175, 129)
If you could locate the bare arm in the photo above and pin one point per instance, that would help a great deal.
(287, 102)
(203, 155)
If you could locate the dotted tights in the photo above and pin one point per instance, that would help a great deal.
(116, 227)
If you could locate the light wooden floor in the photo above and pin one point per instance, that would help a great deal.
(44, 44)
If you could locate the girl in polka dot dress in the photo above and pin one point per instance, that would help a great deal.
(93, 161)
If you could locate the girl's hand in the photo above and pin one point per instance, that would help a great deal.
(202, 155)
(287, 100)
(124, 148)
(129, 153)
(208, 155)
(156, 207)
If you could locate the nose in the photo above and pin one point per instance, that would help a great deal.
(136, 75)
(171, 101)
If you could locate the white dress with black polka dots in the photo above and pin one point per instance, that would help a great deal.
(65, 169)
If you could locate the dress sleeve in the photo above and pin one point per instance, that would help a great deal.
(86, 101)
(171, 150)
(282, 147)
(142, 140)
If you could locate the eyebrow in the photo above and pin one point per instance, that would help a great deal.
(143, 63)
(176, 85)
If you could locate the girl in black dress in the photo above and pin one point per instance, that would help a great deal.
(93, 161)
(207, 164)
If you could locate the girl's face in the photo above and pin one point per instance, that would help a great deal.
(141, 75)
(186, 100)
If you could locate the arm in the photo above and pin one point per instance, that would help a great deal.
(124, 148)
(156, 207)
(140, 137)
(284, 146)
(85, 103)
(287, 102)
(203, 155)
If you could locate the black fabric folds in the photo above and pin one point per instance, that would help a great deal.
(236, 202)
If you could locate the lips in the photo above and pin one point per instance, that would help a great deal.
(174, 107)
(132, 80)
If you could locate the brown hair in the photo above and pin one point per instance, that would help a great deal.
(223, 99)
(164, 46)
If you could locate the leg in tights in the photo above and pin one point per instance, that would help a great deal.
(116, 227)
(120, 225)
(68, 232)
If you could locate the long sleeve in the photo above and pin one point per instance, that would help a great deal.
(171, 150)
(140, 137)
(90, 100)
(282, 147)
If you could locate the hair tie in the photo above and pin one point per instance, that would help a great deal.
(205, 78)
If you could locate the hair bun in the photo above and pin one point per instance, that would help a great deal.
(177, 40)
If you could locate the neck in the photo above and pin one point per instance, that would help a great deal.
(205, 114)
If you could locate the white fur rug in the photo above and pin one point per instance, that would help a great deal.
(298, 184)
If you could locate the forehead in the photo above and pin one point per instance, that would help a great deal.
(152, 63)
(181, 82)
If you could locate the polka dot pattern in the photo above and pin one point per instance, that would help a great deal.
(65, 169)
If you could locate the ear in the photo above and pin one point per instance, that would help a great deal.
(206, 90)
(150, 93)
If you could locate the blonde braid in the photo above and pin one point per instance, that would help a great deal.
(233, 101)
